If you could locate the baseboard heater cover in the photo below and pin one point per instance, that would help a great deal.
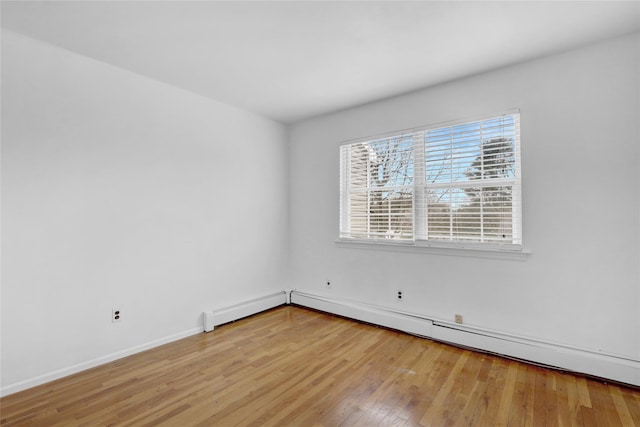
(405, 322)
(211, 319)
(617, 368)
(604, 366)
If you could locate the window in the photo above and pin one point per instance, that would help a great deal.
(447, 185)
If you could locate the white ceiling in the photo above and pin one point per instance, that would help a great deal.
(293, 60)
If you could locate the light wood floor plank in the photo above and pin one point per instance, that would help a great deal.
(296, 367)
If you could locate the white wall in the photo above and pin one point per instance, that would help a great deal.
(580, 286)
(120, 191)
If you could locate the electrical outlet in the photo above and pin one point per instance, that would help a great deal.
(116, 315)
(399, 295)
(459, 318)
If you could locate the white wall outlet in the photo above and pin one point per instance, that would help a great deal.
(399, 295)
(116, 315)
(458, 318)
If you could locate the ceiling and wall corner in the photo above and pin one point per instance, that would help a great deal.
(293, 60)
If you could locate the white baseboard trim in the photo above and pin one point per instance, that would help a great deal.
(612, 367)
(60, 373)
(211, 319)
(224, 315)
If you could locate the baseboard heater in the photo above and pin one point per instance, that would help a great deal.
(613, 367)
(399, 320)
(211, 319)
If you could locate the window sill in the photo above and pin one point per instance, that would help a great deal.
(491, 253)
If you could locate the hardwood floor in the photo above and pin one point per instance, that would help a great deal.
(295, 367)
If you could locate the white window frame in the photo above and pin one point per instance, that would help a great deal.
(420, 208)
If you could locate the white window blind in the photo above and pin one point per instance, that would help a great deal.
(377, 189)
(455, 184)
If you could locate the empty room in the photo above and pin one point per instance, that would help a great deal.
(308, 213)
